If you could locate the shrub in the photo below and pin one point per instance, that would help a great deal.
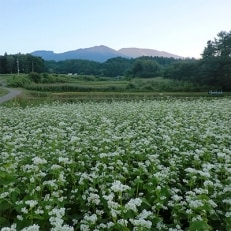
(35, 77)
(19, 81)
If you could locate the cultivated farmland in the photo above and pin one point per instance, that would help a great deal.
(145, 165)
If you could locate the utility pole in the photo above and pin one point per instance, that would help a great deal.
(17, 65)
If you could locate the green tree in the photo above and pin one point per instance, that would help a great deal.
(26, 63)
(3, 64)
(137, 68)
(214, 69)
(11, 64)
(216, 62)
(115, 67)
(145, 67)
(210, 50)
(150, 68)
(186, 70)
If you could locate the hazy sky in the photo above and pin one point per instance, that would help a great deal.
(181, 27)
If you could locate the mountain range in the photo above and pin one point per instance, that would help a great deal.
(101, 53)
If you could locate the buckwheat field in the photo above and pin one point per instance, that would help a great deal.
(147, 165)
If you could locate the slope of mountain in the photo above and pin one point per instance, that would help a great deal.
(96, 53)
(47, 55)
(138, 52)
(101, 53)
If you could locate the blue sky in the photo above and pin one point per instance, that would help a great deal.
(181, 27)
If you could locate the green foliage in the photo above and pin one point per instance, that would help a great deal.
(185, 70)
(146, 68)
(199, 226)
(3, 91)
(35, 77)
(46, 78)
(18, 81)
(79, 84)
(160, 84)
(213, 69)
(20, 63)
(71, 87)
(113, 67)
(216, 61)
(76, 66)
(219, 47)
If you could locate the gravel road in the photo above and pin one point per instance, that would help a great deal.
(11, 94)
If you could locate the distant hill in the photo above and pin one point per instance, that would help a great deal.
(138, 52)
(96, 53)
(100, 53)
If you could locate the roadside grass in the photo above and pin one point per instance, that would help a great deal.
(29, 98)
(3, 92)
(4, 77)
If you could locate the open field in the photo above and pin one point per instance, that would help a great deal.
(66, 88)
(90, 88)
(61, 83)
(137, 165)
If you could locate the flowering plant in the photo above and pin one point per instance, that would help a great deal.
(147, 165)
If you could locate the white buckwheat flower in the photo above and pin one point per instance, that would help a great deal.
(133, 203)
(12, 228)
(117, 186)
(31, 203)
(37, 160)
(31, 228)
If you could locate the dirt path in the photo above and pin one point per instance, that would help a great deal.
(10, 95)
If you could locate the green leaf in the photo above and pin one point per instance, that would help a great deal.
(3, 222)
(6, 178)
(228, 223)
(145, 201)
(199, 226)
(36, 216)
(4, 205)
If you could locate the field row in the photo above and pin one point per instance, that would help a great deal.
(147, 165)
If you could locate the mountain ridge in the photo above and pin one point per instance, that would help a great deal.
(101, 53)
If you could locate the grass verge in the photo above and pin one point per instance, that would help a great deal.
(3, 92)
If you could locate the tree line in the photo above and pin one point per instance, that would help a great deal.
(114, 67)
(213, 69)
(21, 63)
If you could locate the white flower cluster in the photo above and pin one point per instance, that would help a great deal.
(133, 204)
(117, 186)
(56, 220)
(141, 223)
(37, 160)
